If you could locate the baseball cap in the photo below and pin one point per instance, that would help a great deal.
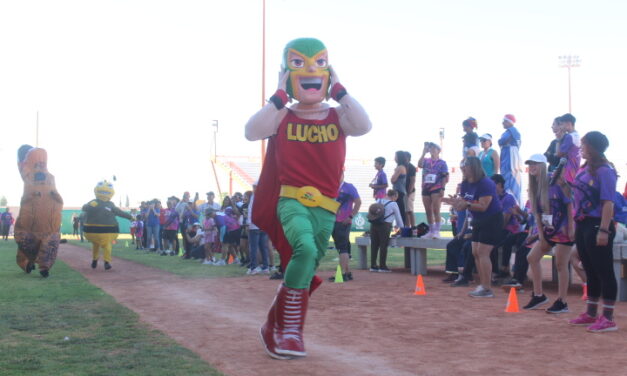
(536, 158)
(486, 136)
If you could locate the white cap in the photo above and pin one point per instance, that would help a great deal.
(486, 136)
(537, 158)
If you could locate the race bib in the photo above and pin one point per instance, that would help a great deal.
(547, 220)
(430, 178)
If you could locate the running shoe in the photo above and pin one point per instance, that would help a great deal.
(603, 325)
(452, 277)
(536, 301)
(384, 269)
(583, 319)
(374, 269)
(460, 281)
(94, 264)
(481, 292)
(558, 307)
(107, 266)
(512, 282)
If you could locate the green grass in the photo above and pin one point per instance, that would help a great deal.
(63, 325)
(192, 269)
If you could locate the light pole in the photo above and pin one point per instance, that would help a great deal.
(214, 124)
(569, 61)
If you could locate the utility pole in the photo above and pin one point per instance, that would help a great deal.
(568, 62)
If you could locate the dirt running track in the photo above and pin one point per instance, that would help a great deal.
(373, 325)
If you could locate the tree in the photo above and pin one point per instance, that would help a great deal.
(3, 201)
(127, 202)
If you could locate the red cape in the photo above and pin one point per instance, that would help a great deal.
(265, 206)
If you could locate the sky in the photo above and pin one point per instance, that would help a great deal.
(131, 88)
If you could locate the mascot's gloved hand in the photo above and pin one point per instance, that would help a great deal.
(337, 90)
(280, 97)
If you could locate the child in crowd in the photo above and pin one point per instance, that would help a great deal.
(133, 228)
(139, 232)
(233, 233)
(434, 179)
(171, 226)
(209, 228)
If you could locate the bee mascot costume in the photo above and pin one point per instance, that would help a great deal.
(39, 221)
(101, 228)
(301, 176)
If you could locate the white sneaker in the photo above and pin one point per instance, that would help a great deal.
(265, 271)
(257, 270)
(273, 268)
(435, 235)
(249, 271)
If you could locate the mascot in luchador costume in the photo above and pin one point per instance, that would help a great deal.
(101, 228)
(301, 176)
(39, 221)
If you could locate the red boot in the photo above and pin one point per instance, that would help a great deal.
(268, 330)
(291, 309)
(315, 283)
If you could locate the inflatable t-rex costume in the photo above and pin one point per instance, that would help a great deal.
(101, 228)
(39, 220)
(301, 176)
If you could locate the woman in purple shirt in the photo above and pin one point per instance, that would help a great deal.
(478, 195)
(552, 209)
(594, 187)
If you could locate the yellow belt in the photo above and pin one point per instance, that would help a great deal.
(309, 196)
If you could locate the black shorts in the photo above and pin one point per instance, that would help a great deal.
(170, 235)
(488, 230)
(426, 192)
(553, 244)
(232, 237)
(341, 237)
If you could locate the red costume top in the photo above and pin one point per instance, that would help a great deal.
(293, 156)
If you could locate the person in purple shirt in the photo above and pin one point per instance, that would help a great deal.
(380, 182)
(350, 204)
(594, 188)
(552, 209)
(569, 147)
(434, 179)
(478, 196)
(513, 233)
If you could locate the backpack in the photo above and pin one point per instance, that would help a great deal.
(376, 213)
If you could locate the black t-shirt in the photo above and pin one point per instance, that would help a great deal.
(411, 172)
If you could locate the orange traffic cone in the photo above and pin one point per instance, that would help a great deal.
(230, 261)
(584, 296)
(512, 302)
(420, 286)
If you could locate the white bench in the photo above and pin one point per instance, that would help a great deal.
(620, 270)
(416, 247)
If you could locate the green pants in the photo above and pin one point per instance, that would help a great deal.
(308, 231)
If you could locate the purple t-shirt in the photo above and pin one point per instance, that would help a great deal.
(508, 203)
(348, 194)
(570, 148)
(379, 179)
(556, 224)
(471, 192)
(433, 174)
(591, 190)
